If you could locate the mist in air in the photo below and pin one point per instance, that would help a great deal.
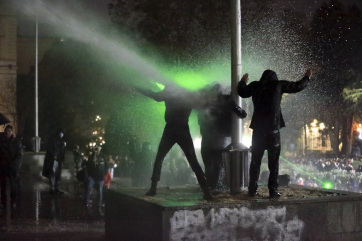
(266, 44)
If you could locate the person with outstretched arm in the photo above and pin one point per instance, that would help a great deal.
(266, 122)
(177, 113)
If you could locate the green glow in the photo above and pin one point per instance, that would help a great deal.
(193, 78)
(295, 166)
(327, 185)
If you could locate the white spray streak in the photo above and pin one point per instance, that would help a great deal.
(74, 27)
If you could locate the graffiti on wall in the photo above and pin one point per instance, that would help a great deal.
(235, 224)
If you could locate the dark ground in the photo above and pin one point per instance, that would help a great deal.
(42, 216)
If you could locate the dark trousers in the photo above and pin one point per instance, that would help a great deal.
(262, 141)
(4, 179)
(91, 182)
(55, 175)
(212, 159)
(179, 134)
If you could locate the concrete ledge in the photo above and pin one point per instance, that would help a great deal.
(181, 214)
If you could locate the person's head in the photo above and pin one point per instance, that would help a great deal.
(174, 91)
(216, 89)
(269, 75)
(97, 149)
(60, 132)
(8, 131)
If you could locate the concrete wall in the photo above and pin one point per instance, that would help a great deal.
(313, 221)
(335, 218)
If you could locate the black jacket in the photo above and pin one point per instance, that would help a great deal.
(267, 96)
(55, 151)
(177, 102)
(97, 169)
(11, 154)
(215, 121)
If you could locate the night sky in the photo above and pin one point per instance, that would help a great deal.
(98, 9)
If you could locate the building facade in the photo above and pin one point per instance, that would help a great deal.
(8, 64)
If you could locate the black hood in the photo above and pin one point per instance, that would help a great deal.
(269, 75)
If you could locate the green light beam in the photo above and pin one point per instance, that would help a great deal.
(295, 166)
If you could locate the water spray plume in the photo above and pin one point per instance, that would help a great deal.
(140, 70)
(118, 52)
(73, 27)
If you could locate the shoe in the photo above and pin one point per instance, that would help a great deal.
(151, 192)
(274, 193)
(207, 196)
(252, 194)
(253, 190)
(214, 192)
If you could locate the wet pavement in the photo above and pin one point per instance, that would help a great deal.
(40, 215)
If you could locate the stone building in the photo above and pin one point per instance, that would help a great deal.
(8, 63)
(17, 58)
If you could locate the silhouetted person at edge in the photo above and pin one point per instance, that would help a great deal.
(11, 155)
(215, 127)
(53, 161)
(178, 109)
(266, 121)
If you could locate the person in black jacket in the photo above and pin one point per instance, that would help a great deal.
(266, 121)
(179, 105)
(53, 161)
(97, 168)
(11, 154)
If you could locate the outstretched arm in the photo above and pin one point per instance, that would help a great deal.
(157, 96)
(294, 87)
(237, 109)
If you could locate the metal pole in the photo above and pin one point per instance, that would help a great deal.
(36, 139)
(36, 79)
(237, 161)
(236, 68)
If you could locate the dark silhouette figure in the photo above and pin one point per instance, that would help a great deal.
(11, 154)
(266, 121)
(97, 168)
(178, 110)
(53, 161)
(215, 128)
